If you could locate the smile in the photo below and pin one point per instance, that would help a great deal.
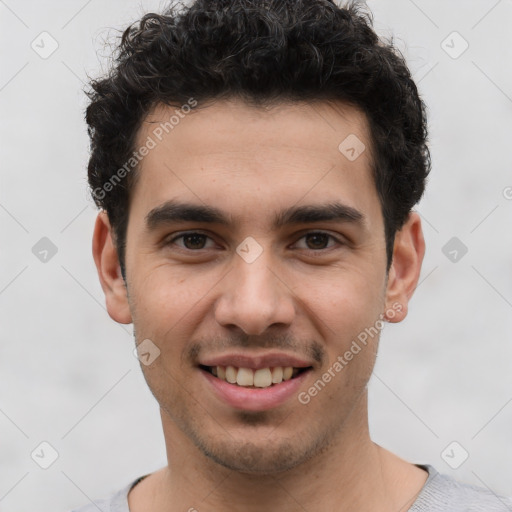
(254, 378)
(254, 389)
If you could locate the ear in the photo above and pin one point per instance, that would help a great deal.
(109, 270)
(408, 252)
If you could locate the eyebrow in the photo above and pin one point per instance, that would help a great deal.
(173, 211)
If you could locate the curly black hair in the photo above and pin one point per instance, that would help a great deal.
(264, 52)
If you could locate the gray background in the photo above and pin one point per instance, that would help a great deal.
(68, 374)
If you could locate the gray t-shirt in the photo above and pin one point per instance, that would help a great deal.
(441, 493)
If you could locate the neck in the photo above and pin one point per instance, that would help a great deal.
(353, 473)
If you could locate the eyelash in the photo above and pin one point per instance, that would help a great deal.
(188, 233)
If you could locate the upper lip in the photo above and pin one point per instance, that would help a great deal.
(255, 362)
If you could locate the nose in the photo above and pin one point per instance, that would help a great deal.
(254, 297)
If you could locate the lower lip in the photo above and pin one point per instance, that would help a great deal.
(254, 399)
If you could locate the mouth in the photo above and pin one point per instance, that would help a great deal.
(260, 378)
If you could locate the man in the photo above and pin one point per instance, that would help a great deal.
(230, 138)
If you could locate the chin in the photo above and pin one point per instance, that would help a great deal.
(262, 457)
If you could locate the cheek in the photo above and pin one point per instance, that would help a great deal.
(347, 314)
(166, 295)
(168, 307)
(346, 299)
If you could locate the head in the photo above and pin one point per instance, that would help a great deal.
(224, 118)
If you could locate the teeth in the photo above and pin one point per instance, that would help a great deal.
(277, 374)
(245, 377)
(261, 378)
(231, 373)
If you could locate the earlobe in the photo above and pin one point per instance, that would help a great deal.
(408, 252)
(109, 271)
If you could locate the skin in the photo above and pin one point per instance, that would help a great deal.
(300, 294)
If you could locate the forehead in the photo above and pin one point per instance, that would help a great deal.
(231, 154)
(213, 125)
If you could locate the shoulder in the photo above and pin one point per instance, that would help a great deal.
(442, 492)
(117, 502)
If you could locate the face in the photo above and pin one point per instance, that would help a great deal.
(253, 242)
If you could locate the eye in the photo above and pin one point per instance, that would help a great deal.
(317, 240)
(192, 241)
(196, 241)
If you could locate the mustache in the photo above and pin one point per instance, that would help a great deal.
(222, 343)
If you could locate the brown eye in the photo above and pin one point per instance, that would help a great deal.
(317, 241)
(191, 241)
(194, 241)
